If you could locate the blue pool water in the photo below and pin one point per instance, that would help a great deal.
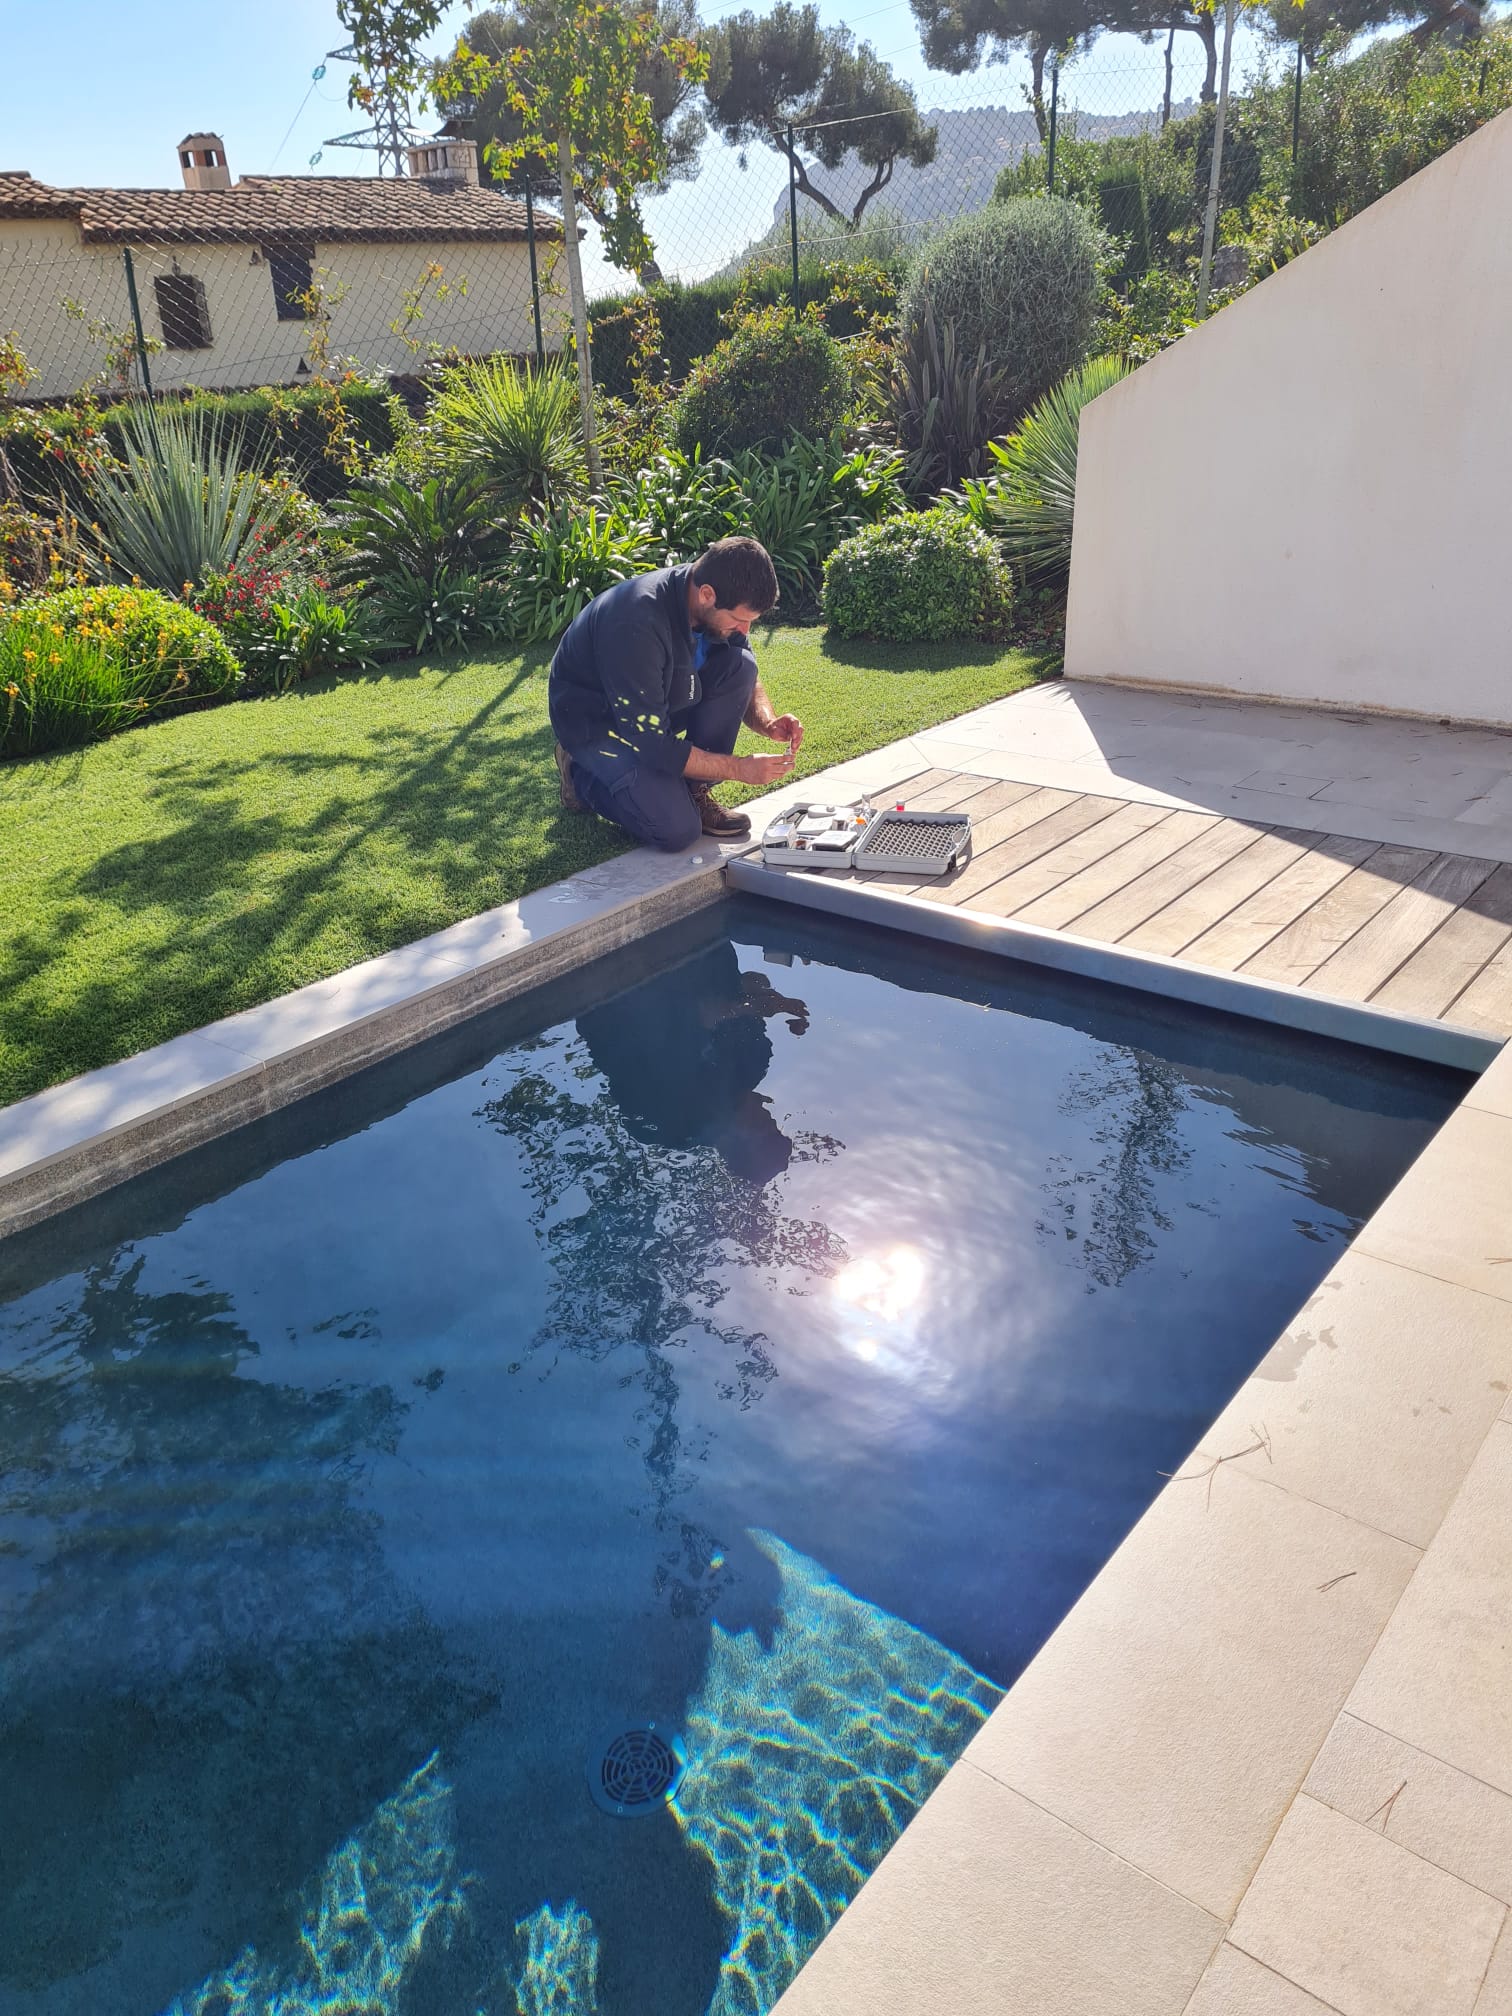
(769, 1333)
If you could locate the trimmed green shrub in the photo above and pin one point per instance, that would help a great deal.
(88, 661)
(320, 442)
(923, 577)
(518, 429)
(1029, 502)
(1019, 280)
(777, 375)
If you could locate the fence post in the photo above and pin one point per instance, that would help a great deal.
(1215, 172)
(793, 217)
(136, 317)
(1297, 103)
(1054, 119)
(535, 280)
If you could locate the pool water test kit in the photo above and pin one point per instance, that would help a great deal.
(893, 841)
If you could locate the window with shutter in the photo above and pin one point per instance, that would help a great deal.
(183, 311)
(293, 271)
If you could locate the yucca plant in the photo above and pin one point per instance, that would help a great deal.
(174, 507)
(1029, 501)
(516, 429)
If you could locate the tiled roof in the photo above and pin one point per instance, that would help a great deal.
(20, 196)
(329, 209)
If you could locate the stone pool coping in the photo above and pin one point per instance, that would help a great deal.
(1264, 1766)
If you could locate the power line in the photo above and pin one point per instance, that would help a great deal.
(315, 76)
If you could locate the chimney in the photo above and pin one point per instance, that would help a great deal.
(202, 157)
(445, 164)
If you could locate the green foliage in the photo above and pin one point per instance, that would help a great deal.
(684, 502)
(846, 293)
(308, 435)
(302, 639)
(778, 374)
(813, 91)
(176, 508)
(1028, 503)
(924, 576)
(567, 556)
(497, 33)
(802, 503)
(946, 402)
(392, 528)
(579, 79)
(1371, 121)
(88, 661)
(40, 550)
(516, 428)
(403, 615)
(1019, 280)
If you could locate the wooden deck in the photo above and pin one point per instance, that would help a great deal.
(1428, 934)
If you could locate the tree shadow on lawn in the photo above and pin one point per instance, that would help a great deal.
(248, 892)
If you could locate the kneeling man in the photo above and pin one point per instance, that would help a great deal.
(649, 688)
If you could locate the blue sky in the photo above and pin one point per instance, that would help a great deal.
(129, 82)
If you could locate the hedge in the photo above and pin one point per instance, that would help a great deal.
(288, 425)
(691, 316)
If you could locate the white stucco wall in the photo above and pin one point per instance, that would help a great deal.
(1310, 497)
(42, 264)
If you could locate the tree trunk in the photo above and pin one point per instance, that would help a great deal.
(1215, 172)
(1205, 27)
(1037, 90)
(1165, 107)
(579, 306)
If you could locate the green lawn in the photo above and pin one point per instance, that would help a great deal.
(201, 865)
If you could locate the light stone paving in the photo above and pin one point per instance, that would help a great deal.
(1264, 1767)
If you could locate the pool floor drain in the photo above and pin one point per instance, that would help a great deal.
(636, 1770)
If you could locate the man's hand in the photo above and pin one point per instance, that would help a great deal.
(785, 728)
(761, 770)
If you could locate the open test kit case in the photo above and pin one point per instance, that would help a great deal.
(888, 841)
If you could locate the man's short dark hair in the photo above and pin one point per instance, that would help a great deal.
(741, 573)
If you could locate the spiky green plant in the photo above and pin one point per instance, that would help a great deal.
(174, 507)
(1030, 498)
(517, 429)
(946, 402)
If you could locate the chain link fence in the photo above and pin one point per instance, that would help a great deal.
(293, 282)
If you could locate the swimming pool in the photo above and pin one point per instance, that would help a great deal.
(765, 1335)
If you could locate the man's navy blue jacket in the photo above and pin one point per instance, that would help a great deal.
(624, 668)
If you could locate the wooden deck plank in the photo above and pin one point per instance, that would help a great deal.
(1044, 821)
(1170, 930)
(1038, 877)
(1315, 936)
(1060, 908)
(1119, 914)
(981, 804)
(1440, 971)
(1361, 968)
(1251, 925)
(1487, 1002)
(959, 789)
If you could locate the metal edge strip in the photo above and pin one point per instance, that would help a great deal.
(1147, 973)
